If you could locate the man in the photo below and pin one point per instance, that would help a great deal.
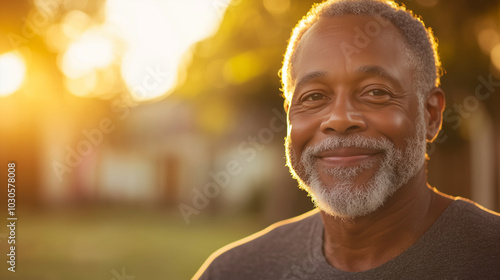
(361, 80)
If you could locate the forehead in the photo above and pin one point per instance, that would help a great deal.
(343, 44)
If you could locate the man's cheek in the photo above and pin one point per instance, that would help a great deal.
(396, 127)
(302, 130)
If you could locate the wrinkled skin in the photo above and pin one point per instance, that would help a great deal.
(369, 93)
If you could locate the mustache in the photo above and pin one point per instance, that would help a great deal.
(351, 141)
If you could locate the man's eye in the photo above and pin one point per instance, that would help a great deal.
(314, 97)
(378, 92)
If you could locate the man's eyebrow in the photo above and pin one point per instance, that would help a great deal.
(378, 72)
(372, 70)
(310, 76)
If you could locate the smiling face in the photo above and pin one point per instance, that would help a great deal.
(356, 127)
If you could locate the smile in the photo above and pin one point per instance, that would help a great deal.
(347, 156)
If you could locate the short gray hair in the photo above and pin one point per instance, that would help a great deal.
(419, 41)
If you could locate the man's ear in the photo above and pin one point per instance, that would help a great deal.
(434, 107)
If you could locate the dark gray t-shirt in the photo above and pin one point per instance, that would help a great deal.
(464, 243)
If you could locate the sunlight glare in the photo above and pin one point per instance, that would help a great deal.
(82, 86)
(92, 50)
(12, 72)
(159, 35)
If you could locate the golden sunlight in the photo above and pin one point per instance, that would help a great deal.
(159, 36)
(12, 71)
(148, 42)
(93, 50)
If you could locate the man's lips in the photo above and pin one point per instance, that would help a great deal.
(348, 155)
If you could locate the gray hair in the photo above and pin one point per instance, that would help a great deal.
(420, 44)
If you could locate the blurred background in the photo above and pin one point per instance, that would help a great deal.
(148, 134)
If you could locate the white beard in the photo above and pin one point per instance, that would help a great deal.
(345, 198)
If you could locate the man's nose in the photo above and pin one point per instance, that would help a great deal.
(342, 117)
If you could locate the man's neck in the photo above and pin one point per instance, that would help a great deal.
(367, 242)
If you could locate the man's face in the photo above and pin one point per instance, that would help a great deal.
(356, 130)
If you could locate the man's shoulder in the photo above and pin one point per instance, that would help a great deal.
(476, 225)
(276, 235)
(464, 241)
(269, 247)
(470, 213)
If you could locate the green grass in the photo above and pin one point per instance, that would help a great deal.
(90, 244)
